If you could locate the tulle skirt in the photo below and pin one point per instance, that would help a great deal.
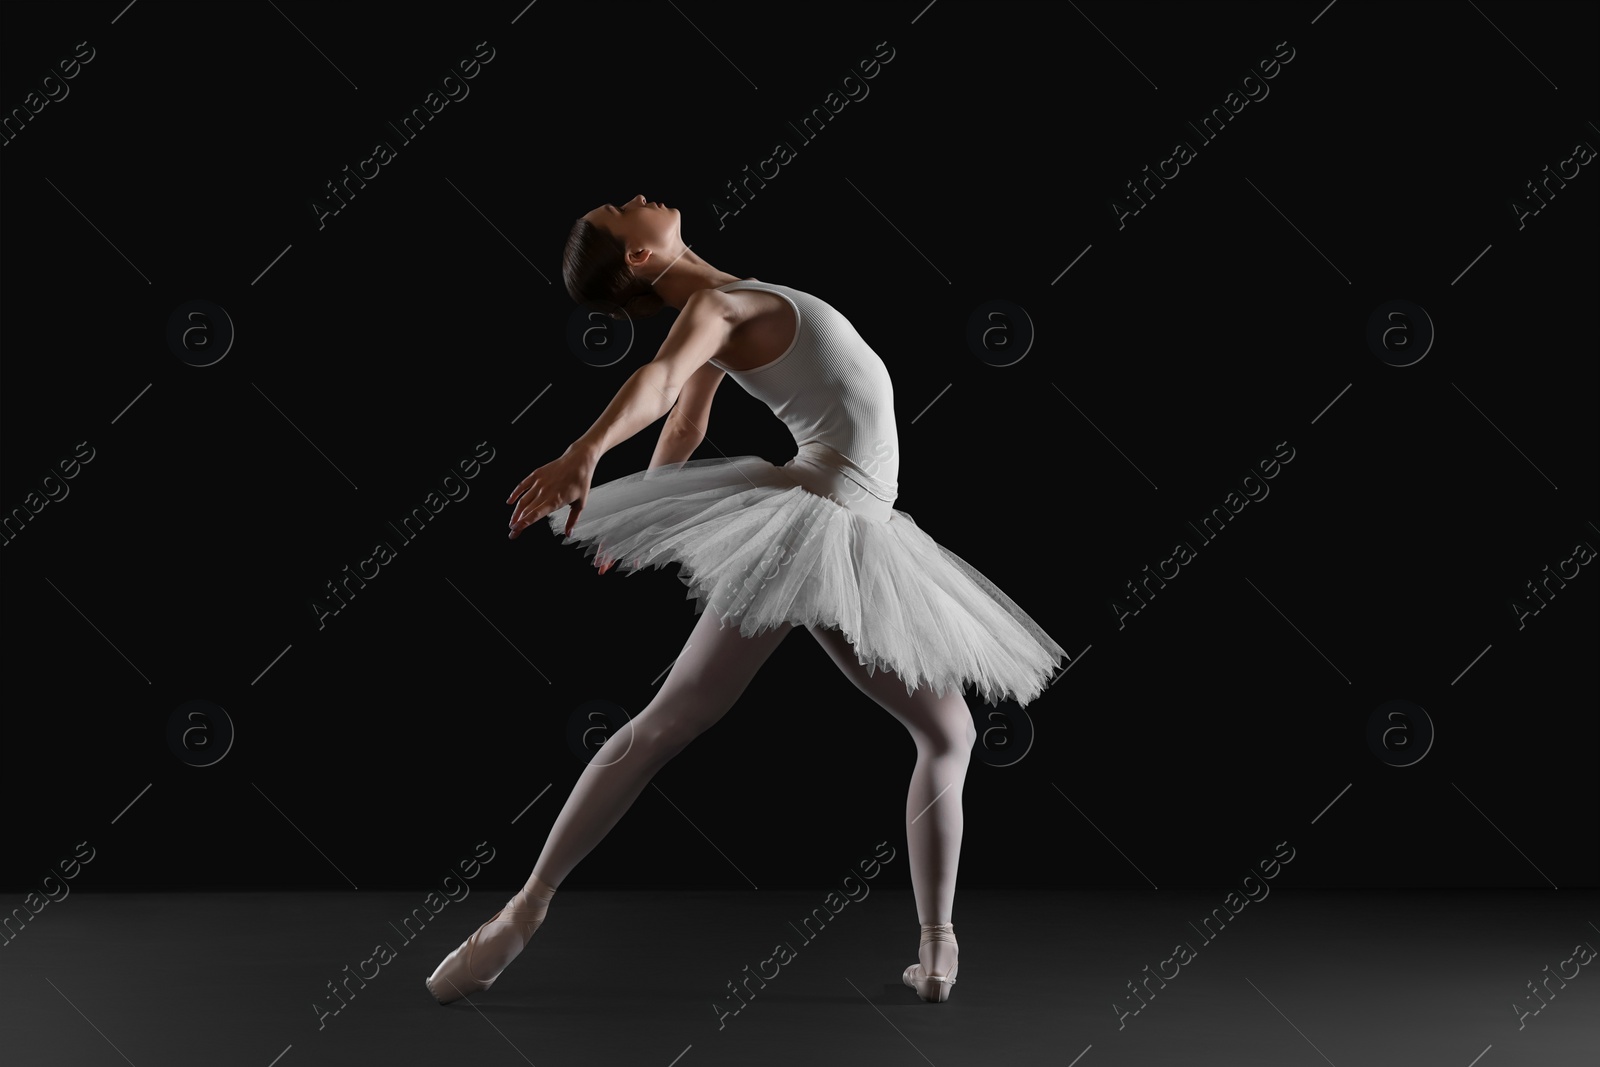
(757, 545)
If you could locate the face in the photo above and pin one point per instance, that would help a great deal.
(641, 224)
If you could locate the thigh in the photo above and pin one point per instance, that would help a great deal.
(715, 666)
(922, 711)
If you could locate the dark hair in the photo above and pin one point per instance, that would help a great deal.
(595, 268)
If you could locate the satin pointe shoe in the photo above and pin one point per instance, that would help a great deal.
(456, 976)
(934, 988)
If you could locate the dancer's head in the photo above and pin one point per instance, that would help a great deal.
(617, 251)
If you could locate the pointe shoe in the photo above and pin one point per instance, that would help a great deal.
(934, 988)
(454, 978)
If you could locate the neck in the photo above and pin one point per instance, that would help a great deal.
(687, 275)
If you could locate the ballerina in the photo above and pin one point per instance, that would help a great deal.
(815, 543)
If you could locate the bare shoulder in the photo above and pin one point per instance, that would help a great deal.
(762, 326)
(740, 306)
(704, 322)
(712, 304)
(699, 334)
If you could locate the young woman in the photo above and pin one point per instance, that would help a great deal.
(814, 543)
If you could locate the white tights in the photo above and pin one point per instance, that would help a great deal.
(714, 668)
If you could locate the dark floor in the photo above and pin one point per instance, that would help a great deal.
(1299, 978)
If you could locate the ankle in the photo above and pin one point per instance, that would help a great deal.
(937, 950)
(538, 889)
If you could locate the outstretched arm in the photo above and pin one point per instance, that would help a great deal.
(700, 332)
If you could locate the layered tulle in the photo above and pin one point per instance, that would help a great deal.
(759, 550)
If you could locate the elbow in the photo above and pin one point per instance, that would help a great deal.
(683, 430)
(689, 434)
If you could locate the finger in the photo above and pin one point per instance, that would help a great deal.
(529, 501)
(572, 519)
(535, 514)
(531, 490)
(523, 521)
(535, 509)
(522, 487)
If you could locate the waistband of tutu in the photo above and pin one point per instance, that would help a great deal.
(832, 457)
(828, 472)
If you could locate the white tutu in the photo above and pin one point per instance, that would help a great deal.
(757, 548)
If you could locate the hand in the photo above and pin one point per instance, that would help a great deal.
(561, 481)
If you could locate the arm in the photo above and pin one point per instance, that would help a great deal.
(685, 426)
(701, 330)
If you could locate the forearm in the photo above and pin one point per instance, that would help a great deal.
(647, 395)
(675, 445)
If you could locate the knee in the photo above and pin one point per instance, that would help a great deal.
(666, 733)
(953, 732)
(663, 736)
(966, 733)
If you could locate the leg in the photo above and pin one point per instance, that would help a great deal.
(944, 733)
(709, 674)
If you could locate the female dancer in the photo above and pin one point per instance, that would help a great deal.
(814, 543)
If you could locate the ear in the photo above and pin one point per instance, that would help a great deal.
(639, 257)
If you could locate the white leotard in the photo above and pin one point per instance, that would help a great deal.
(832, 391)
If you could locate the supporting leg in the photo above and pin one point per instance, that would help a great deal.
(944, 734)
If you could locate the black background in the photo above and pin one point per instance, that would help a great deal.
(1178, 351)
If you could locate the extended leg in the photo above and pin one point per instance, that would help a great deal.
(709, 674)
(714, 667)
(944, 734)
